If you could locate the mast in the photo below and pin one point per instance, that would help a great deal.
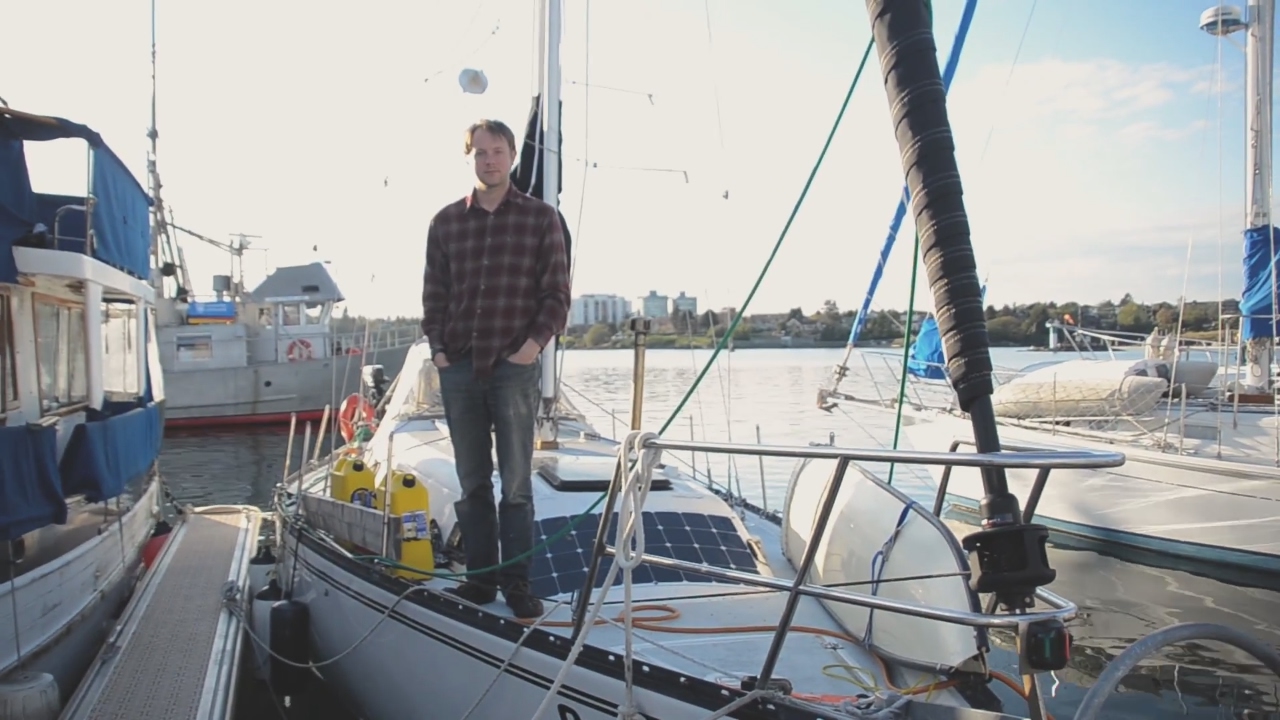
(1259, 57)
(153, 179)
(1258, 298)
(549, 76)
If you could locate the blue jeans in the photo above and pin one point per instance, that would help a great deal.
(505, 403)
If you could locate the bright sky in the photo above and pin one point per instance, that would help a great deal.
(1089, 164)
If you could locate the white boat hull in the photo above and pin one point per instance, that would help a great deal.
(64, 607)
(1194, 508)
(440, 654)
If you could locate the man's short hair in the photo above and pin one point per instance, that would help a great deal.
(493, 127)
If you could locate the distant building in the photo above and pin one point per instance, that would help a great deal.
(654, 305)
(587, 310)
(685, 303)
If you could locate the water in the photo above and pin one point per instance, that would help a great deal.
(1121, 599)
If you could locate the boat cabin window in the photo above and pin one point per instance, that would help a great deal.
(315, 313)
(60, 355)
(120, 349)
(290, 315)
(194, 347)
(8, 365)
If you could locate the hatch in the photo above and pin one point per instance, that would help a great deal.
(586, 473)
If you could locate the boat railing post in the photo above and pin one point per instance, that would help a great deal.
(640, 328)
(829, 494)
(764, 494)
(1182, 418)
(288, 448)
(386, 499)
(943, 482)
(324, 421)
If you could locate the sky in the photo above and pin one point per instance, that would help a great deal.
(1101, 143)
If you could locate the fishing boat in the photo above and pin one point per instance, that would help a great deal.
(666, 598)
(260, 356)
(81, 419)
(268, 354)
(1202, 480)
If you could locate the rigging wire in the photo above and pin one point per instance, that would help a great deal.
(1223, 336)
(906, 349)
(465, 58)
(1191, 241)
(1009, 78)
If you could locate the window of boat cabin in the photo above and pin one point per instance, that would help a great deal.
(120, 348)
(60, 354)
(8, 365)
(194, 347)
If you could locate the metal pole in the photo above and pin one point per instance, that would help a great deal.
(640, 327)
(829, 494)
(288, 450)
(764, 494)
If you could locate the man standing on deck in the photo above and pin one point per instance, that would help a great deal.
(495, 291)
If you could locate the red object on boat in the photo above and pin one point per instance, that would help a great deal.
(152, 549)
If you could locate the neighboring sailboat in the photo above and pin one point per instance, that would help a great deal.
(80, 417)
(1202, 479)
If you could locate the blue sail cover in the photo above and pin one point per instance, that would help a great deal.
(31, 494)
(109, 450)
(927, 359)
(122, 236)
(1255, 300)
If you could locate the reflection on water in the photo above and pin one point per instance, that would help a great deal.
(1120, 599)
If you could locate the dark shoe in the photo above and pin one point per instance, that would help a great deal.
(475, 593)
(522, 603)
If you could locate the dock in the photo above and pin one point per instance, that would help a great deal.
(175, 651)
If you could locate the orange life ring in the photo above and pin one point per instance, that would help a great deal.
(299, 349)
(355, 404)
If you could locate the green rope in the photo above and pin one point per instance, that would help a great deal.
(906, 350)
(705, 368)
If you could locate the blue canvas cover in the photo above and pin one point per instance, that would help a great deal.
(31, 495)
(927, 359)
(121, 220)
(1255, 300)
(112, 447)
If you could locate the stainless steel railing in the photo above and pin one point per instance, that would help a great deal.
(1042, 460)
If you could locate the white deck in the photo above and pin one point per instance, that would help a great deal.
(175, 652)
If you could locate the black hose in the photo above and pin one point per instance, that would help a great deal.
(1140, 650)
(917, 101)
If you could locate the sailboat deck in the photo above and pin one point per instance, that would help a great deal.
(174, 653)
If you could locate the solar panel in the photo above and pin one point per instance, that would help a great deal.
(561, 567)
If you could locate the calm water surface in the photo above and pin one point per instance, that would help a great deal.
(1121, 599)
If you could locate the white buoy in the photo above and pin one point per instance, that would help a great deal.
(473, 81)
(30, 696)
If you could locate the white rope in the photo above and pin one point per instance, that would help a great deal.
(630, 548)
(630, 552)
